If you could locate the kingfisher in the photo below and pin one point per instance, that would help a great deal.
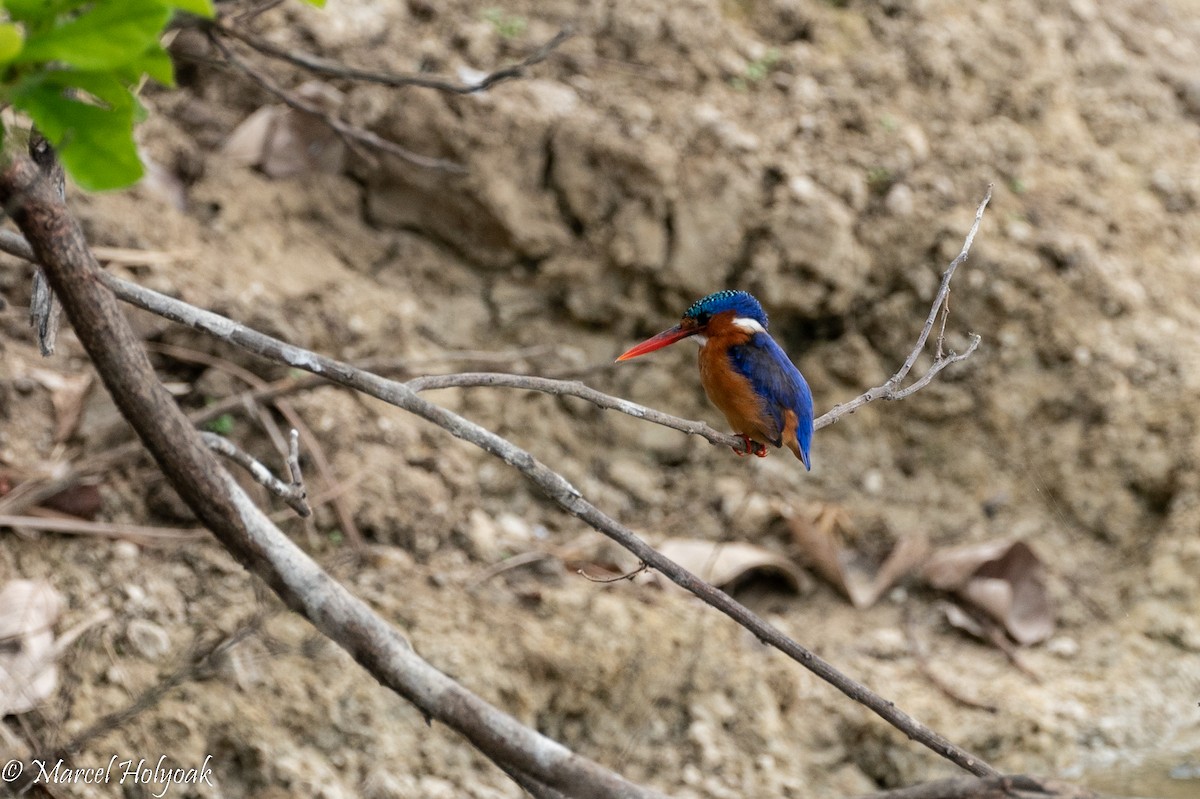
(744, 372)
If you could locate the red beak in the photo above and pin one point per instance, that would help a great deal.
(677, 333)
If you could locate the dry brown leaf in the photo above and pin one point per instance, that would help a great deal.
(28, 675)
(1002, 578)
(284, 142)
(821, 531)
(67, 393)
(725, 563)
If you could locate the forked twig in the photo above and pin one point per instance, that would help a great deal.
(293, 493)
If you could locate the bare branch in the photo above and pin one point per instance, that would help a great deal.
(941, 303)
(351, 134)
(244, 530)
(334, 69)
(1016, 786)
(573, 388)
(552, 484)
(45, 312)
(294, 493)
(942, 295)
(55, 524)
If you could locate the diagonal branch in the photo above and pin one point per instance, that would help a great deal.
(334, 69)
(353, 135)
(243, 529)
(550, 483)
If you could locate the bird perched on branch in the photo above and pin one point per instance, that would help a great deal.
(744, 372)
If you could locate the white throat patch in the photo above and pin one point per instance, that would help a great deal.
(749, 325)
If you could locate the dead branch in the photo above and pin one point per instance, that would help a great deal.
(293, 493)
(218, 501)
(132, 532)
(353, 135)
(1016, 786)
(45, 312)
(891, 390)
(333, 69)
(920, 652)
(552, 484)
(345, 517)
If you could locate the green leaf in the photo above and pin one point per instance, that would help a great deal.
(11, 41)
(201, 8)
(317, 3)
(95, 143)
(108, 35)
(155, 62)
(38, 11)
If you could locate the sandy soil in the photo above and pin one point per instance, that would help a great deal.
(827, 157)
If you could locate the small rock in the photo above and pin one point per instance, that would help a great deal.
(636, 478)
(148, 639)
(513, 528)
(482, 535)
(899, 200)
(1063, 647)
(887, 643)
(126, 550)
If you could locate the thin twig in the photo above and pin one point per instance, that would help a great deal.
(334, 69)
(58, 524)
(552, 484)
(351, 134)
(920, 653)
(943, 293)
(1015, 786)
(345, 516)
(254, 11)
(294, 493)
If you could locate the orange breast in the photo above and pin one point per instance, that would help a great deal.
(731, 392)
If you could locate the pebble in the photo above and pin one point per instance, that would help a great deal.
(148, 639)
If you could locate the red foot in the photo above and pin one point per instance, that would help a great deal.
(751, 446)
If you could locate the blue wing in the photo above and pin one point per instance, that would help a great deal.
(777, 380)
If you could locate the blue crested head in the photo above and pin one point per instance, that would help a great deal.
(741, 303)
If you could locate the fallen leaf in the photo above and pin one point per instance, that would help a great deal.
(284, 142)
(821, 532)
(81, 500)
(67, 393)
(726, 563)
(28, 675)
(1002, 578)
